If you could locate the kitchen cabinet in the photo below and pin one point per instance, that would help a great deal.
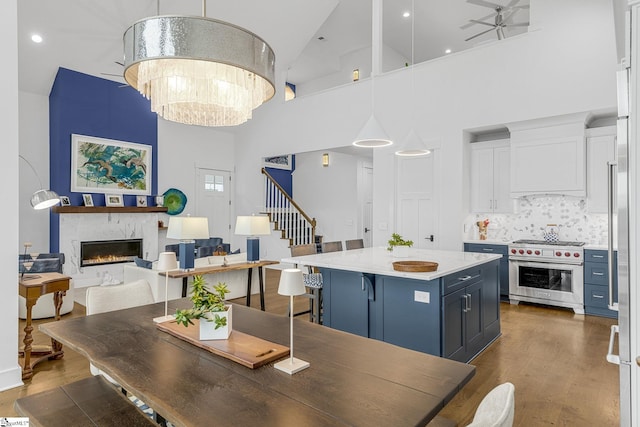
(485, 248)
(490, 174)
(600, 150)
(455, 316)
(470, 311)
(596, 283)
(548, 156)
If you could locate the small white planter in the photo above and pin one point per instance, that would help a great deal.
(208, 329)
(400, 251)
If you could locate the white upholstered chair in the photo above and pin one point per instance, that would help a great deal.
(497, 408)
(101, 299)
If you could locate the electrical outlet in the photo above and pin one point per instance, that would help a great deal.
(421, 296)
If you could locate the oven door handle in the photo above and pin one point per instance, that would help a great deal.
(538, 264)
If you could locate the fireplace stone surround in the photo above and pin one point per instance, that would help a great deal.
(81, 227)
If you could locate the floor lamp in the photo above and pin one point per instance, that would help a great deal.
(291, 284)
(166, 262)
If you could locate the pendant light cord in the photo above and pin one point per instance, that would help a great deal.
(413, 80)
(204, 8)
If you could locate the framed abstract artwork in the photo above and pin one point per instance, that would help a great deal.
(278, 162)
(100, 165)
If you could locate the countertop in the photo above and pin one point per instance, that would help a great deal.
(379, 261)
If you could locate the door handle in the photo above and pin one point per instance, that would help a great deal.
(466, 305)
(366, 230)
(430, 238)
(612, 169)
(613, 358)
(468, 296)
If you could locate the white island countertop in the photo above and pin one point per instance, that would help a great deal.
(379, 261)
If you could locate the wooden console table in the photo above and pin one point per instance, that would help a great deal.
(249, 266)
(32, 287)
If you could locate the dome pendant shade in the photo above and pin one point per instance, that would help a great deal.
(412, 146)
(197, 70)
(43, 199)
(372, 135)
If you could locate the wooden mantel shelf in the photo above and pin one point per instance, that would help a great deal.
(107, 209)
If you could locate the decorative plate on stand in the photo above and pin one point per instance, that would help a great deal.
(174, 200)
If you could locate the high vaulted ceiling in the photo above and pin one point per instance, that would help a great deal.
(86, 35)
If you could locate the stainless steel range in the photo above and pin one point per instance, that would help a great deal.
(547, 273)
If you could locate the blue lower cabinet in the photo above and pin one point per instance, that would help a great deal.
(486, 248)
(346, 296)
(455, 316)
(596, 283)
(409, 314)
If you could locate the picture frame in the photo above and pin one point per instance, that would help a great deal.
(278, 162)
(87, 199)
(64, 201)
(113, 200)
(141, 201)
(101, 165)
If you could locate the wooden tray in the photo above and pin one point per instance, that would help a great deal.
(242, 348)
(415, 266)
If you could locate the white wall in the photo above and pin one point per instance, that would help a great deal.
(10, 371)
(329, 194)
(34, 146)
(567, 65)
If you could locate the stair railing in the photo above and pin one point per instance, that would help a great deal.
(288, 217)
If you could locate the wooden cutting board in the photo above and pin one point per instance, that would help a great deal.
(242, 348)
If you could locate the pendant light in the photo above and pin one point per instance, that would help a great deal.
(372, 135)
(412, 145)
(198, 71)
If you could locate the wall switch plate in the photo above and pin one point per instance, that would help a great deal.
(421, 296)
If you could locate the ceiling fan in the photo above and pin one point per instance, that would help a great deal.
(501, 17)
(117, 75)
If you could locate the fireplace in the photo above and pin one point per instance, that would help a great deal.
(102, 252)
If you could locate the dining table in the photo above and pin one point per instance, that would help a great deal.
(351, 381)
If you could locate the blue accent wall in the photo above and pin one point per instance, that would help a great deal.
(284, 177)
(88, 105)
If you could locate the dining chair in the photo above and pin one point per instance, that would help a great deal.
(332, 246)
(497, 408)
(354, 244)
(313, 281)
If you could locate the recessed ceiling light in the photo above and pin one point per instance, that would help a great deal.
(406, 14)
(36, 38)
(447, 51)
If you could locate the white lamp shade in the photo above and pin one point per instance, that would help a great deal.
(254, 225)
(372, 135)
(167, 261)
(412, 146)
(188, 228)
(291, 282)
(43, 199)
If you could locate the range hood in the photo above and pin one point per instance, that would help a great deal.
(548, 156)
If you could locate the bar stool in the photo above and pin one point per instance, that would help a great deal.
(313, 281)
(354, 244)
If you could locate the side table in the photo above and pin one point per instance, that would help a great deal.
(32, 287)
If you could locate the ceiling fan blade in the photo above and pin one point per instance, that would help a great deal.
(119, 63)
(475, 21)
(478, 35)
(470, 24)
(111, 74)
(511, 4)
(519, 24)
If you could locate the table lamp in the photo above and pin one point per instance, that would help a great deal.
(166, 262)
(291, 284)
(254, 225)
(187, 229)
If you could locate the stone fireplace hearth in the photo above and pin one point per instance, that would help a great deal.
(84, 227)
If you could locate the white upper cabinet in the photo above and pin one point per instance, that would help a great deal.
(490, 177)
(600, 150)
(548, 156)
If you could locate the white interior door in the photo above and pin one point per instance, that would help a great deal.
(417, 205)
(213, 190)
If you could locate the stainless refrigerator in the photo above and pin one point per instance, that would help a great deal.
(621, 210)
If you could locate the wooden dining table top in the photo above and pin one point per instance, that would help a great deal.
(351, 381)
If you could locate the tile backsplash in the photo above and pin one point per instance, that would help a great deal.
(533, 213)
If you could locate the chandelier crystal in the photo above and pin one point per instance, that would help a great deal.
(197, 70)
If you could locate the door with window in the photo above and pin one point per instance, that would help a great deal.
(214, 200)
(416, 201)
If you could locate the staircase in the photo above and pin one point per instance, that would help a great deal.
(288, 218)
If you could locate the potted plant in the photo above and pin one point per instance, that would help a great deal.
(210, 308)
(399, 246)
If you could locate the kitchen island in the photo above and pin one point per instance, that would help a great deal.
(453, 312)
